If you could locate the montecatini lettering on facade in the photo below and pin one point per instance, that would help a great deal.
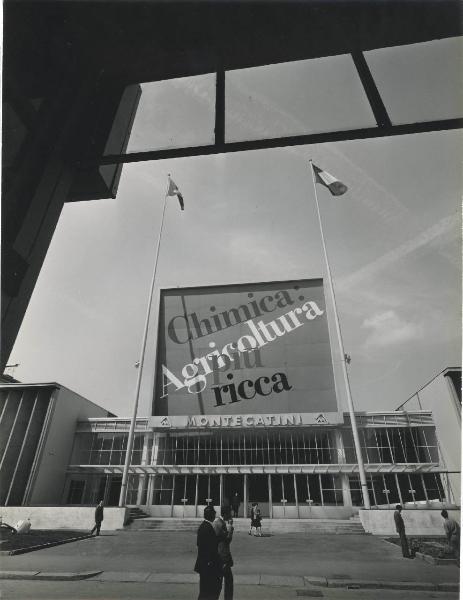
(243, 420)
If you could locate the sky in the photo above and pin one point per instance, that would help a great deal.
(393, 239)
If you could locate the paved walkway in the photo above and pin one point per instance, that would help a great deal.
(94, 590)
(331, 556)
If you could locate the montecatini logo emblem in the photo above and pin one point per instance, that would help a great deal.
(321, 419)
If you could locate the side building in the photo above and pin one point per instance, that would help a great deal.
(442, 396)
(37, 427)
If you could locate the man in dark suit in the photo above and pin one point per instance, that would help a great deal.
(98, 518)
(400, 528)
(208, 563)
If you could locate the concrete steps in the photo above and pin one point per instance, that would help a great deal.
(137, 513)
(333, 526)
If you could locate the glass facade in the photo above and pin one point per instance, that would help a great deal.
(248, 447)
(393, 445)
(398, 488)
(180, 471)
(101, 448)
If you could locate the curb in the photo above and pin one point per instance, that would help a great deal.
(41, 546)
(47, 576)
(436, 561)
(257, 579)
(384, 585)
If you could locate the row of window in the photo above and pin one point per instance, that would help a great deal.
(313, 490)
(398, 488)
(393, 445)
(252, 448)
(266, 447)
(317, 490)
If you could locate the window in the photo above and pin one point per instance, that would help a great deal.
(293, 98)
(76, 491)
(162, 489)
(164, 114)
(331, 489)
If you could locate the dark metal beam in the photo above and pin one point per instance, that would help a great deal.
(281, 142)
(219, 129)
(369, 85)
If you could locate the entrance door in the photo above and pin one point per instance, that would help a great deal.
(258, 492)
(283, 497)
(208, 492)
(114, 491)
(234, 484)
(184, 496)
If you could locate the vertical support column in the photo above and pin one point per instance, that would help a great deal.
(144, 461)
(295, 496)
(270, 499)
(398, 489)
(346, 495)
(449, 489)
(154, 459)
(245, 495)
(149, 491)
(196, 496)
(219, 129)
(221, 491)
(174, 479)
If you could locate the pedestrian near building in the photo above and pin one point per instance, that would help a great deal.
(208, 563)
(256, 519)
(452, 533)
(400, 528)
(98, 518)
(224, 531)
(235, 504)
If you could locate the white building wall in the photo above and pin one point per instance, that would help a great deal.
(439, 397)
(48, 478)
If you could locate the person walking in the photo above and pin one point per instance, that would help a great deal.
(224, 531)
(98, 518)
(208, 563)
(400, 528)
(235, 504)
(251, 514)
(256, 519)
(452, 533)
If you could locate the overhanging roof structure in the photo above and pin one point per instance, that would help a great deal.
(68, 108)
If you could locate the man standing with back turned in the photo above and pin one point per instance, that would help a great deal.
(452, 533)
(208, 563)
(400, 528)
(98, 518)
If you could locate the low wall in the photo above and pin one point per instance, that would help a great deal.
(64, 517)
(417, 522)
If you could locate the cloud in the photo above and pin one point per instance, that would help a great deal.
(440, 229)
(388, 329)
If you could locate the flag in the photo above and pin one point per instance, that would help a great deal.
(336, 187)
(174, 191)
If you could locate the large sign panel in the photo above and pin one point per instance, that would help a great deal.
(258, 348)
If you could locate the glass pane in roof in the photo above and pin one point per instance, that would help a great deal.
(174, 113)
(419, 82)
(295, 98)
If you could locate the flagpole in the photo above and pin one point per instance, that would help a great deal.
(350, 404)
(128, 456)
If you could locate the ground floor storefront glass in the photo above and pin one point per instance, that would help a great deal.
(399, 488)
